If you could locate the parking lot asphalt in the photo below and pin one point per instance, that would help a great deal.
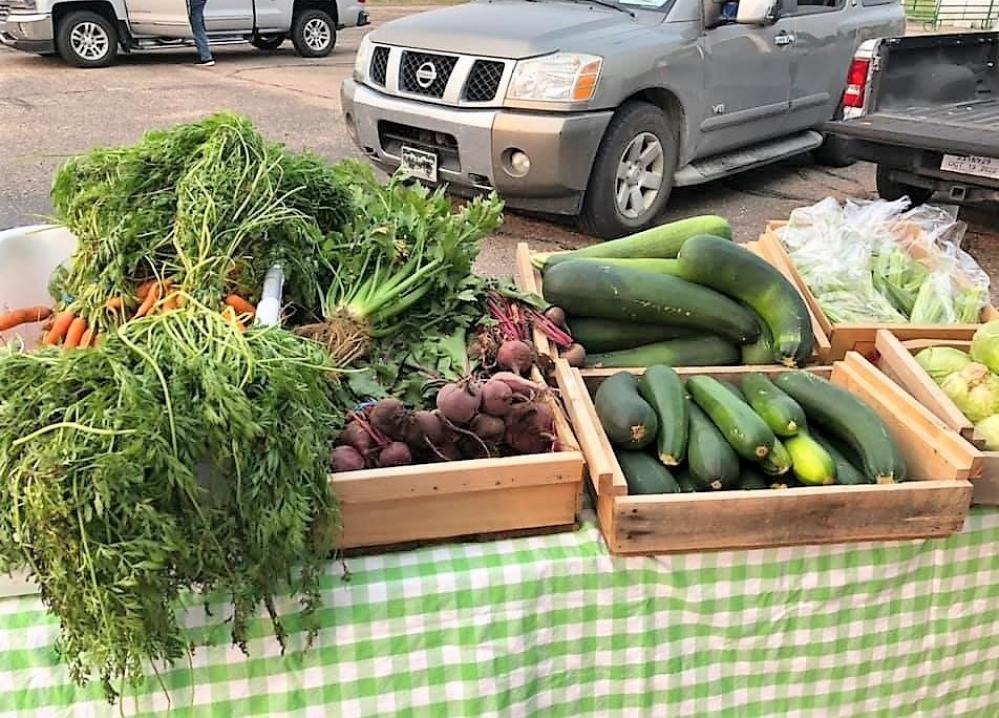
(49, 111)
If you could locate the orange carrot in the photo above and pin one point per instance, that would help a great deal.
(87, 339)
(149, 302)
(170, 303)
(229, 315)
(144, 288)
(115, 304)
(59, 328)
(28, 315)
(75, 333)
(240, 305)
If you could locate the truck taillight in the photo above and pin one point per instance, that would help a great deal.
(856, 83)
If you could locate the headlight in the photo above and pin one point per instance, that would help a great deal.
(562, 77)
(363, 60)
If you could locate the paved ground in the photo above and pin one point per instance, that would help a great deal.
(49, 111)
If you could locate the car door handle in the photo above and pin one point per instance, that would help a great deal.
(783, 39)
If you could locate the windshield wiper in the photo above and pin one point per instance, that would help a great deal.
(605, 3)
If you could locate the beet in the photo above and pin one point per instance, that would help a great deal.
(556, 315)
(395, 454)
(459, 402)
(544, 420)
(518, 384)
(423, 426)
(471, 448)
(575, 354)
(356, 436)
(496, 398)
(447, 452)
(489, 428)
(389, 417)
(515, 356)
(347, 458)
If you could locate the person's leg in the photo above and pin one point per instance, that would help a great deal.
(196, 11)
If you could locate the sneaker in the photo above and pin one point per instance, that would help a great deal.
(205, 63)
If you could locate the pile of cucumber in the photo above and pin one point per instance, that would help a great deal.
(710, 435)
(681, 294)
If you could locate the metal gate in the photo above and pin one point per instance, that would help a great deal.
(975, 14)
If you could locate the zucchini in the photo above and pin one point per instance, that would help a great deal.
(644, 474)
(778, 461)
(740, 274)
(711, 460)
(751, 478)
(761, 351)
(812, 465)
(684, 480)
(689, 351)
(846, 473)
(782, 413)
(661, 386)
(847, 418)
(748, 434)
(626, 417)
(609, 335)
(591, 289)
(670, 267)
(662, 242)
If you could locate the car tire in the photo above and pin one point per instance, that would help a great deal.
(891, 190)
(313, 33)
(268, 42)
(86, 39)
(622, 197)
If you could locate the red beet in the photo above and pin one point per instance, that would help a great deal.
(459, 402)
(395, 454)
(424, 426)
(356, 436)
(544, 421)
(472, 448)
(489, 428)
(574, 354)
(522, 434)
(347, 458)
(556, 315)
(516, 356)
(388, 417)
(518, 384)
(496, 397)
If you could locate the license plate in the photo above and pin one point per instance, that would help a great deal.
(971, 165)
(420, 164)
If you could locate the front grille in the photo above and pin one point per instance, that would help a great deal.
(432, 70)
(379, 65)
(483, 80)
(4, 10)
(393, 136)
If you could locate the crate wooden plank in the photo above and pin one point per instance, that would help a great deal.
(934, 505)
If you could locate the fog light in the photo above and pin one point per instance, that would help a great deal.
(520, 163)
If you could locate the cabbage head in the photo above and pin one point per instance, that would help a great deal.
(941, 362)
(974, 390)
(985, 345)
(989, 430)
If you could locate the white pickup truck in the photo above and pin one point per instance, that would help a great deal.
(89, 33)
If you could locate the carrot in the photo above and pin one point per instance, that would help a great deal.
(87, 339)
(115, 304)
(240, 305)
(144, 288)
(75, 333)
(170, 303)
(229, 315)
(59, 328)
(152, 296)
(28, 315)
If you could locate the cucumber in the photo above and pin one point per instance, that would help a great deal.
(740, 274)
(751, 478)
(609, 335)
(846, 473)
(761, 351)
(644, 474)
(626, 417)
(748, 434)
(845, 417)
(661, 386)
(662, 242)
(782, 413)
(812, 465)
(711, 460)
(778, 461)
(684, 480)
(591, 289)
(689, 351)
(670, 267)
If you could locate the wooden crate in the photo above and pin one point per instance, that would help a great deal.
(935, 503)
(529, 279)
(896, 360)
(842, 338)
(430, 502)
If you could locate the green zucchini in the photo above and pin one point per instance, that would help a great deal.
(684, 480)
(689, 351)
(626, 417)
(846, 473)
(644, 474)
(610, 335)
(778, 461)
(662, 242)
(662, 388)
(740, 274)
(751, 478)
(847, 418)
(591, 289)
(761, 351)
(812, 465)
(712, 461)
(670, 267)
(781, 412)
(748, 434)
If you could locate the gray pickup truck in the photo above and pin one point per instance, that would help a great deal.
(926, 110)
(598, 108)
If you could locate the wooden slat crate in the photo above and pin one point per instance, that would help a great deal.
(842, 338)
(935, 503)
(429, 502)
(896, 360)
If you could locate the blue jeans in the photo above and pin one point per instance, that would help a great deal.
(196, 13)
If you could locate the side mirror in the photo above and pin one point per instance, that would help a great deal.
(756, 12)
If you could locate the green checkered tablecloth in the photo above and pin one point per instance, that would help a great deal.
(554, 626)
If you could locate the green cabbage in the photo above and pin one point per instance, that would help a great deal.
(941, 362)
(985, 345)
(974, 390)
(989, 430)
